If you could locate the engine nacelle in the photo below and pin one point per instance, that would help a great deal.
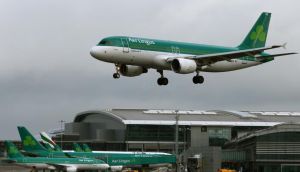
(116, 168)
(130, 70)
(183, 66)
(71, 169)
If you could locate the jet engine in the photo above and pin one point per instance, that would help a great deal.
(183, 66)
(116, 168)
(130, 70)
(71, 169)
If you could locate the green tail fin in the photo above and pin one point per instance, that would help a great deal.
(58, 148)
(77, 148)
(29, 142)
(48, 141)
(12, 150)
(48, 147)
(258, 34)
(86, 148)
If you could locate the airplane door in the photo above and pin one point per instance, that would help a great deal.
(125, 45)
(175, 50)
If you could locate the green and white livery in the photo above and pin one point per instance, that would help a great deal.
(134, 56)
(66, 164)
(117, 160)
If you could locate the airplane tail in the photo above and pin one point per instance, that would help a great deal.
(29, 142)
(77, 148)
(12, 150)
(257, 36)
(48, 141)
(86, 148)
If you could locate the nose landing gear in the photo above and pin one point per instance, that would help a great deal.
(117, 74)
(198, 79)
(162, 80)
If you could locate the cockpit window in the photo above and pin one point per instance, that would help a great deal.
(104, 42)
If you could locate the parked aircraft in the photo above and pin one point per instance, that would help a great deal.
(36, 163)
(133, 56)
(116, 160)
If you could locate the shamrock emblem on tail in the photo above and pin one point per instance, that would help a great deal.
(13, 150)
(29, 141)
(259, 34)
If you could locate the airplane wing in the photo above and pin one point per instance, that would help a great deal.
(215, 57)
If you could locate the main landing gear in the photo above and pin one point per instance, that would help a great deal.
(198, 79)
(162, 80)
(117, 74)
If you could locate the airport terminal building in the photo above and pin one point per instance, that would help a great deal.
(207, 134)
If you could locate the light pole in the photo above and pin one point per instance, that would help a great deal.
(176, 140)
(61, 135)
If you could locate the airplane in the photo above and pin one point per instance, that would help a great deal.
(115, 159)
(37, 163)
(77, 147)
(86, 148)
(133, 56)
(83, 148)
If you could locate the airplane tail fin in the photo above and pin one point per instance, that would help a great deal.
(12, 150)
(29, 142)
(258, 34)
(86, 148)
(77, 147)
(48, 141)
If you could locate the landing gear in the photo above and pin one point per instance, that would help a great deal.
(117, 74)
(198, 79)
(162, 80)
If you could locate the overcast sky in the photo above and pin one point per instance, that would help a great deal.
(47, 73)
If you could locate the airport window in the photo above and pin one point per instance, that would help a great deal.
(156, 133)
(218, 136)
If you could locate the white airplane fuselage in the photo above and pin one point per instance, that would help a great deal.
(159, 60)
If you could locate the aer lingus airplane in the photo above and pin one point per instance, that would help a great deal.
(115, 159)
(36, 163)
(133, 56)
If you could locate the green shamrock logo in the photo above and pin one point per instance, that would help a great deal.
(13, 150)
(259, 34)
(28, 141)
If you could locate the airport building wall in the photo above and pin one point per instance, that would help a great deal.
(275, 149)
(201, 133)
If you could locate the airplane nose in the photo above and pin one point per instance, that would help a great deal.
(93, 51)
(104, 166)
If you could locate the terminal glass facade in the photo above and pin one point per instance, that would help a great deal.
(157, 133)
(218, 135)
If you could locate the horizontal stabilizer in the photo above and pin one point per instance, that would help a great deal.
(275, 55)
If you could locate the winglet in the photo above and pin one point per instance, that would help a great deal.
(284, 45)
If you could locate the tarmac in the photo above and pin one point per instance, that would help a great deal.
(11, 168)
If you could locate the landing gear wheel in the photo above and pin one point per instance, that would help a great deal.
(198, 79)
(162, 81)
(116, 75)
